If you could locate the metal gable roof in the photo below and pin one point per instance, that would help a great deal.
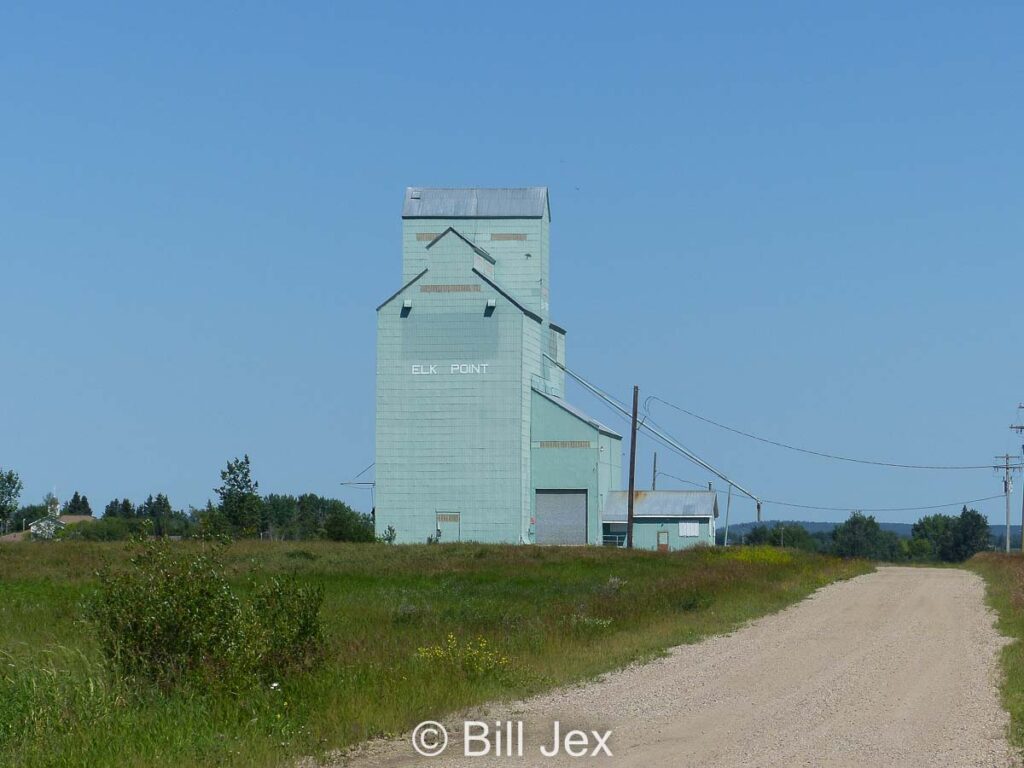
(399, 291)
(672, 504)
(475, 203)
(578, 414)
(476, 248)
(491, 282)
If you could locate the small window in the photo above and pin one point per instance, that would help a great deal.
(689, 529)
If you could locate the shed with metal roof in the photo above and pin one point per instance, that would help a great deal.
(662, 520)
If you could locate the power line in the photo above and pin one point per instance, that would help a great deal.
(822, 454)
(669, 441)
(674, 446)
(882, 509)
(846, 509)
(682, 479)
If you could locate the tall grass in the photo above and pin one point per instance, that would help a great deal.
(1004, 577)
(410, 633)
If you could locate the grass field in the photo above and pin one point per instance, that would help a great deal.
(1004, 575)
(404, 628)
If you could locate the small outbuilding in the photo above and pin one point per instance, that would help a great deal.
(662, 520)
(46, 527)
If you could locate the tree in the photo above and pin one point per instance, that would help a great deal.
(10, 492)
(120, 508)
(787, 535)
(937, 530)
(158, 510)
(861, 536)
(342, 523)
(280, 511)
(210, 520)
(27, 514)
(240, 500)
(917, 549)
(52, 505)
(79, 505)
(970, 534)
(953, 539)
(757, 535)
(310, 516)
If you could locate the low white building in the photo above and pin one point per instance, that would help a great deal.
(46, 527)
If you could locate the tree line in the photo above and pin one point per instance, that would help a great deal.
(944, 538)
(240, 511)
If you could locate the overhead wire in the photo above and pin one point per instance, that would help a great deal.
(655, 432)
(822, 454)
(672, 443)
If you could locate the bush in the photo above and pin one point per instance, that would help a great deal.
(172, 618)
(106, 529)
(289, 631)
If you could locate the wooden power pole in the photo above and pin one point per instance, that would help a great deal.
(1007, 487)
(1019, 429)
(632, 471)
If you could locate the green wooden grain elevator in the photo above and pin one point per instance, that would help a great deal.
(475, 440)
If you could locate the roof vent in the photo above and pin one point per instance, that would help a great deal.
(414, 194)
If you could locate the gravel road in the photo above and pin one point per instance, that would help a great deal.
(894, 668)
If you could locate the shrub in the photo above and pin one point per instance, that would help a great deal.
(172, 618)
(287, 623)
(106, 529)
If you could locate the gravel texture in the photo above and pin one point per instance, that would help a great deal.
(895, 668)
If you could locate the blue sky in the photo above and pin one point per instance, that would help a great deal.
(804, 221)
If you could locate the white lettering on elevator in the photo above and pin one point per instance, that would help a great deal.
(424, 369)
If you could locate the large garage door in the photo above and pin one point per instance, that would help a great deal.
(561, 517)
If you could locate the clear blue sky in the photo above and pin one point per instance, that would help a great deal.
(806, 222)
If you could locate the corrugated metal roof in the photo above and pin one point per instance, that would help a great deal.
(475, 203)
(660, 504)
(578, 414)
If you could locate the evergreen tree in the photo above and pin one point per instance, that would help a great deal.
(79, 505)
(240, 502)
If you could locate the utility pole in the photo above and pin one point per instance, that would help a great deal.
(728, 503)
(654, 476)
(632, 470)
(1019, 429)
(1007, 487)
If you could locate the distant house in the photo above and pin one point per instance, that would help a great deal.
(662, 520)
(46, 527)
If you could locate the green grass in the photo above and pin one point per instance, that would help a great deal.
(1004, 576)
(557, 615)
